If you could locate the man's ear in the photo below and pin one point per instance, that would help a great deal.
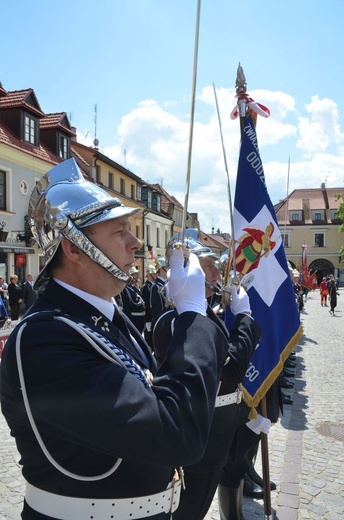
(71, 251)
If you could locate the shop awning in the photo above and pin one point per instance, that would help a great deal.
(15, 248)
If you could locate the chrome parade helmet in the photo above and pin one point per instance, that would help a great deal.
(193, 245)
(61, 205)
(151, 269)
(160, 262)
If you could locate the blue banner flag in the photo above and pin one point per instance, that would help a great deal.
(260, 255)
(3, 310)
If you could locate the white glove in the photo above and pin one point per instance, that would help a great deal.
(259, 425)
(186, 284)
(240, 303)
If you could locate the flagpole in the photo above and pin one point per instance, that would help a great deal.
(228, 188)
(245, 109)
(193, 96)
(286, 205)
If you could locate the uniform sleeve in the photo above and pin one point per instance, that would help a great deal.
(243, 339)
(76, 396)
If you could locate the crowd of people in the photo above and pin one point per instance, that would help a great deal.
(126, 400)
(16, 298)
(328, 292)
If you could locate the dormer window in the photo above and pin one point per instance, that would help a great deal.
(63, 147)
(139, 192)
(30, 130)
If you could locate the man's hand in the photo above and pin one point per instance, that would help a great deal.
(240, 303)
(186, 284)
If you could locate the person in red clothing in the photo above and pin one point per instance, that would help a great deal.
(323, 292)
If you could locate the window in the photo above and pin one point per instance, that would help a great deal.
(139, 192)
(30, 130)
(157, 237)
(285, 239)
(319, 239)
(137, 231)
(110, 180)
(148, 235)
(2, 190)
(122, 187)
(335, 215)
(156, 201)
(317, 216)
(295, 216)
(63, 147)
(149, 199)
(132, 191)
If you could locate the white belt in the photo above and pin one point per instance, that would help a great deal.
(70, 508)
(226, 399)
(143, 313)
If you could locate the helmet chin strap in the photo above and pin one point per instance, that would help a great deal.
(77, 237)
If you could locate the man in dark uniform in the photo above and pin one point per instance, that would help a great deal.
(133, 305)
(29, 294)
(146, 295)
(99, 429)
(158, 297)
(201, 479)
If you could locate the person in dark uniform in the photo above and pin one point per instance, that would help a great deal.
(202, 478)
(133, 305)
(158, 298)
(99, 429)
(146, 295)
(238, 476)
(29, 294)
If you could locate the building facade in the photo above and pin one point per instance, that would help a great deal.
(310, 217)
(31, 143)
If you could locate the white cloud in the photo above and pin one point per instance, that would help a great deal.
(321, 128)
(155, 140)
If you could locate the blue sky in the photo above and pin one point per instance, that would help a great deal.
(134, 60)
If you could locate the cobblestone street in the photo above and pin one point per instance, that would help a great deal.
(305, 446)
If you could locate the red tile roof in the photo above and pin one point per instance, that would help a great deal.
(21, 98)
(57, 120)
(41, 152)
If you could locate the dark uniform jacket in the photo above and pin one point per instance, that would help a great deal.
(242, 341)
(157, 300)
(29, 295)
(146, 295)
(133, 306)
(90, 411)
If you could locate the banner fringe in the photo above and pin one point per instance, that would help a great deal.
(253, 401)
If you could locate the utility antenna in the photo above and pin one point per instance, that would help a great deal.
(125, 157)
(95, 142)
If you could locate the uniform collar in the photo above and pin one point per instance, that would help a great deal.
(104, 306)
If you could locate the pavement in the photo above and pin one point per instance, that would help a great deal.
(306, 451)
